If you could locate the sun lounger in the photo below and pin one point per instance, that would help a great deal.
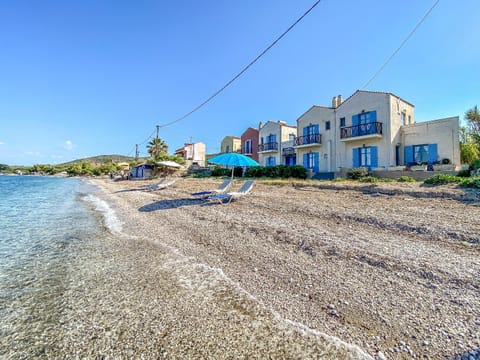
(163, 184)
(221, 189)
(228, 197)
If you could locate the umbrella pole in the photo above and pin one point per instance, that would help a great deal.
(233, 168)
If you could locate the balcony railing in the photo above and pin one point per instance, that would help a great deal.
(288, 151)
(271, 146)
(373, 128)
(312, 139)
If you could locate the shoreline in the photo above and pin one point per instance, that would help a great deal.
(347, 263)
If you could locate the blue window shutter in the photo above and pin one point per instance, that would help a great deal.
(356, 157)
(305, 161)
(408, 155)
(432, 153)
(355, 120)
(373, 116)
(315, 129)
(315, 162)
(374, 155)
(274, 161)
(305, 131)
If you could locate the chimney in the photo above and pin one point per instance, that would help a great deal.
(339, 100)
(260, 125)
(334, 102)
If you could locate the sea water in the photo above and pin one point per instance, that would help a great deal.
(43, 220)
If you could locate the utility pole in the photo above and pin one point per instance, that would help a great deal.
(193, 149)
(156, 142)
(136, 152)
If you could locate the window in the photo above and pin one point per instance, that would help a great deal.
(327, 125)
(366, 156)
(291, 137)
(227, 148)
(247, 149)
(420, 154)
(270, 161)
(364, 118)
(409, 119)
(342, 122)
(403, 118)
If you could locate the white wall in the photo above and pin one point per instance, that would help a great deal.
(443, 132)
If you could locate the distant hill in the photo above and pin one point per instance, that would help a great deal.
(100, 159)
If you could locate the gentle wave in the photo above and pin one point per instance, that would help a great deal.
(113, 224)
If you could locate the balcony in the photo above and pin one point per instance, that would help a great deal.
(268, 147)
(246, 150)
(362, 131)
(308, 140)
(288, 151)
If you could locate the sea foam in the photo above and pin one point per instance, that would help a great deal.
(113, 224)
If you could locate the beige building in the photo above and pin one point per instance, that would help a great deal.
(193, 153)
(274, 137)
(231, 144)
(376, 130)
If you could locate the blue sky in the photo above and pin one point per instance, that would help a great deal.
(84, 78)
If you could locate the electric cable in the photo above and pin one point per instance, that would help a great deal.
(216, 93)
(402, 44)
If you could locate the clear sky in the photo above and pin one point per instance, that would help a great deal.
(81, 78)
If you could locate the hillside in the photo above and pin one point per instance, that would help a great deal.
(102, 159)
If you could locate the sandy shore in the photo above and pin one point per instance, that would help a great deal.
(302, 270)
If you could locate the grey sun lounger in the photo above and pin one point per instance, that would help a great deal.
(228, 197)
(221, 189)
(163, 184)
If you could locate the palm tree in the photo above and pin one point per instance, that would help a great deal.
(156, 147)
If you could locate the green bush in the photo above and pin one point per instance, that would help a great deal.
(368, 179)
(441, 179)
(472, 182)
(476, 165)
(279, 171)
(357, 173)
(406, 179)
(464, 173)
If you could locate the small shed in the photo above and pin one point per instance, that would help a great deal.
(141, 172)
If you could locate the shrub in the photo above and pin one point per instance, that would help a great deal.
(472, 182)
(406, 179)
(441, 179)
(464, 173)
(476, 165)
(357, 173)
(368, 179)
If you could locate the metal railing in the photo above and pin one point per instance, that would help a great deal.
(271, 146)
(361, 130)
(315, 139)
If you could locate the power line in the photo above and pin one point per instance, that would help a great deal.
(401, 45)
(211, 97)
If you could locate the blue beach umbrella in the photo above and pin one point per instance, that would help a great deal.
(233, 159)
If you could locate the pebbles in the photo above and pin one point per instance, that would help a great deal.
(380, 272)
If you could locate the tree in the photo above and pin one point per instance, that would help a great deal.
(469, 148)
(156, 147)
(473, 119)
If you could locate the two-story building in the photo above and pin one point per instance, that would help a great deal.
(376, 130)
(249, 141)
(193, 153)
(273, 137)
(230, 144)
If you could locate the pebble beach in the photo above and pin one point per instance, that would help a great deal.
(296, 269)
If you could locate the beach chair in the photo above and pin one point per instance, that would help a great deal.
(163, 184)
(221, 189)
(228, 197)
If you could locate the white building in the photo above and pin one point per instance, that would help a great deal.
(376, 130)
(193, 153)
(274, 136)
